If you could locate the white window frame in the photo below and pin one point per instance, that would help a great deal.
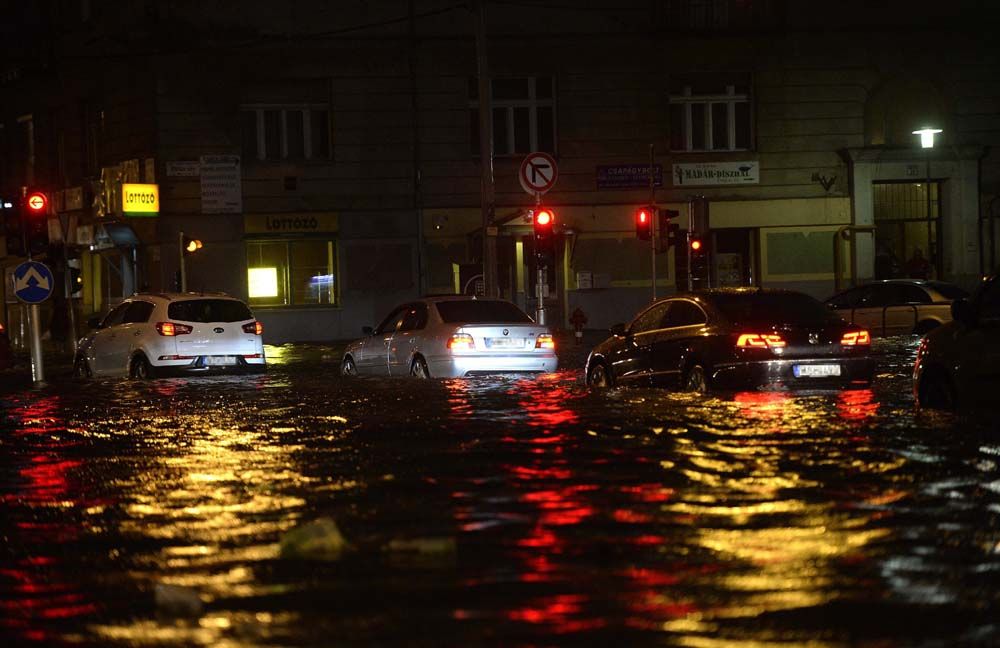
(532, 103)
(729, 99)
(284, 109)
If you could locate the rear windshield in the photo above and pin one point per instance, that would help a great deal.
(947, 290)
(480, 311)
(773, 309)
(209, 310)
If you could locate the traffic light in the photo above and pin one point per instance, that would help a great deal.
(668, 227)
(542, 222)
(13, 234)
(699, 216)
(644, 222)
(35, 208)
(190, 245)
(697, 245)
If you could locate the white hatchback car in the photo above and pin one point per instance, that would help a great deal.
(172, 333)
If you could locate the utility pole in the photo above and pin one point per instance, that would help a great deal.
(487, 189)
(653, 216)
(180, 247)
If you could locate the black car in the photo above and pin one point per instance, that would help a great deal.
(734, 339)
(958, 364)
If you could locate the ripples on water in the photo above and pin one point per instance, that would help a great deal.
(497, 511)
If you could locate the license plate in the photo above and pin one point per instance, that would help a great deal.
(816, 370)
(505, 343)
(220, 360)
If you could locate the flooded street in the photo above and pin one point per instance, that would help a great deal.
(495, 511)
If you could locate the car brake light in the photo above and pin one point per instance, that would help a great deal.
(254, 327)
(856, 338)
(2, 329)
(760, 341)
(170, 329)
(461, 342)
(545, 341)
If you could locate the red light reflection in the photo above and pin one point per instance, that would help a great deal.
(856, 404)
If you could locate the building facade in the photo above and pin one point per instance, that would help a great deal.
(328, 157)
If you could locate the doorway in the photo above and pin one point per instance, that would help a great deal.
(907, 219)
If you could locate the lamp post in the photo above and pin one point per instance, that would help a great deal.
(927, 142)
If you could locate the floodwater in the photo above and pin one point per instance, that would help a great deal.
(494, 512)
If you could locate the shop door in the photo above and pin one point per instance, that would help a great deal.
(907, 226)
(733, 257)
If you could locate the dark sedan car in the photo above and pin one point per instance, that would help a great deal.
(734, 339)
(958, 364)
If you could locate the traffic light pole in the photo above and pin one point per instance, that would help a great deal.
(180, 248)
(652, 224)
(541, 274)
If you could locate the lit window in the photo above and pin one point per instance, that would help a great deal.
(285, 132)
(523, 115)
(292, 273)
(710, 119)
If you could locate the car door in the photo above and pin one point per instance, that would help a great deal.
(104, 338)
(631, 362)
(903, 302)
(869, 311)
(375, 351)
(407, 338)
(674, 341)
(845, 303)
(127, 334)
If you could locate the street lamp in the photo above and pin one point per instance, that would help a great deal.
(927, 142)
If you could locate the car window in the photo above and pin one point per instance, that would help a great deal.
(914, 295)
(138, 312)
(415, 317)
(391, 321)
(649, 319)
(683, 313)
(480, 311)
(883, 295)
(847, 299)
(115, 316)
(865, 298)
(206, 311)
(773, 309)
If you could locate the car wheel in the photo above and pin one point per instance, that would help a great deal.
(925, 327)
(81, 368)
(695, 380)
(419, 368)
(936, 391)
(599, 376)
(347, 367)
(140, 369)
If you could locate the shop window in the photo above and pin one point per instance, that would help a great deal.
(285, 132)
(705, 118)
(292, 273)
(523, 115)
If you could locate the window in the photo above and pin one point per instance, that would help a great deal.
(206, 311)
(523, 115)
(415, 318)
(649, 320)
(392, 321)
(683, 313)
(710, 118)
(480, 311)
(292, 273)
(137, 312)
(285, 132)
(115, 316)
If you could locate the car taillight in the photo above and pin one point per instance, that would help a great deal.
(254, 327)
(760, 341)
(545, 341)
(2, 329)
(856, 338)
(461, 342)
(170, 329)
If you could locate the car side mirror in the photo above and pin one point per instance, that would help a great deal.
(367, 330)
(618, 330)
(962, 311)
(94, 322)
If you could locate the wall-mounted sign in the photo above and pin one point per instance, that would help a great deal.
(140, 199)
(184, 168)
(295, 223)
(221, 184)
(716, 173)
(628, 176)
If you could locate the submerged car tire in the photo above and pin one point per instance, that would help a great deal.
(347, 367)
(140, 368)
(81, 368)
(599, 375)
(419, 368)
(937, 392)
(696, 379)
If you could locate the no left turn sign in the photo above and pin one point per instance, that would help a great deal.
(538, 173)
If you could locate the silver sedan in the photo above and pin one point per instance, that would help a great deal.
(452, 337)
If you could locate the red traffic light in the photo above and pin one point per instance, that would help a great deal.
(36, 201)
(544, 217)
(644, 223)
(695, 244)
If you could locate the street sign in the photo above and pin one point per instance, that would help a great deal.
(538, 173)
(33, 282)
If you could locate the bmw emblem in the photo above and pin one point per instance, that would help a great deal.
(506, 332)
(814, 338)
(218, 329)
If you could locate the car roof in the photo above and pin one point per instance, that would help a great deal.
(174, 296)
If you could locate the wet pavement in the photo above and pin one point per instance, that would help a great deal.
(505, 511)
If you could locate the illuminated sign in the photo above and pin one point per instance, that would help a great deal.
(262, 282)
(140, 199)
